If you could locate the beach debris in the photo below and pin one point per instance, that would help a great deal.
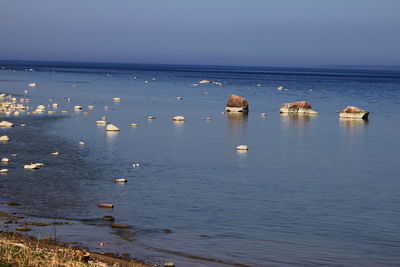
(178, 118)
(237, 103)
(280, 88)
(77, 107)
(6, 124)
(54, 153)
(105, 206)
(114, 225)
(134, 124)
(107, 218)
(204, 81)
(81, 143)
(242, 148)
(3, 170)
(5, 160)
(169, 264)
(351, 112)
(151, 118)
(4, 138)
(121, 180)
(101, 122)
(111, 127)
(31, 84)
(299, 107)
(179, 98)
(116, 99)
(263, 114)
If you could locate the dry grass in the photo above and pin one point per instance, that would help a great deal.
(18, 254)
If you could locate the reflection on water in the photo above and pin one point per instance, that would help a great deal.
(353, 127)
(237, 124)
(300, 123)
(111, 136)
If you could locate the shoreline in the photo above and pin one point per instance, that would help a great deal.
(31, 244)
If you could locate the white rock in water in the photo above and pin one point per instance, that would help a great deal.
(5, 160)
(4, 138)
(77, 107)
(55, 105)
(16, 113)
(134, 124)
(54, 153)
(242, 147)
(101, 122)
(81, 143)
(31, 84)
(121, 180)
(111, 127)
(178, 118)
(40, 107)
(7, 113)
(106, 107)
(14, 155)
(90, 107)
(117, 99)
(33, 166)
(4, 170)
(151, 117)
(204, 81)
(6, 124)
(264, 114)
(280, 88)
(179, 98)
(22, 125)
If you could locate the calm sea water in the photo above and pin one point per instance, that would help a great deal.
(310, 191)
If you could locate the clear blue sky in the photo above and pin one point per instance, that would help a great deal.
(215, 32)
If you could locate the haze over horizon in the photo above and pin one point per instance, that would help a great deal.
(219, 32)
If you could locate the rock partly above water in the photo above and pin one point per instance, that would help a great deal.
(299, 107)
(237, 103)
(351, 112)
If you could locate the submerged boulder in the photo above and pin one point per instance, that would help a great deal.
(237, 104)
(299, 107)
(351, 112)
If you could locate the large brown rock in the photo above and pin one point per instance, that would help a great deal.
(237, 104)
(351, 112)
(350, 109)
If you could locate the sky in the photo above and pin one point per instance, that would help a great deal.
(203, 32)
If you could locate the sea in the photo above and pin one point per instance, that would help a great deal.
(310, 190)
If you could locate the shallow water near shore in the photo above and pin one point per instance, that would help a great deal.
(310, 190)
